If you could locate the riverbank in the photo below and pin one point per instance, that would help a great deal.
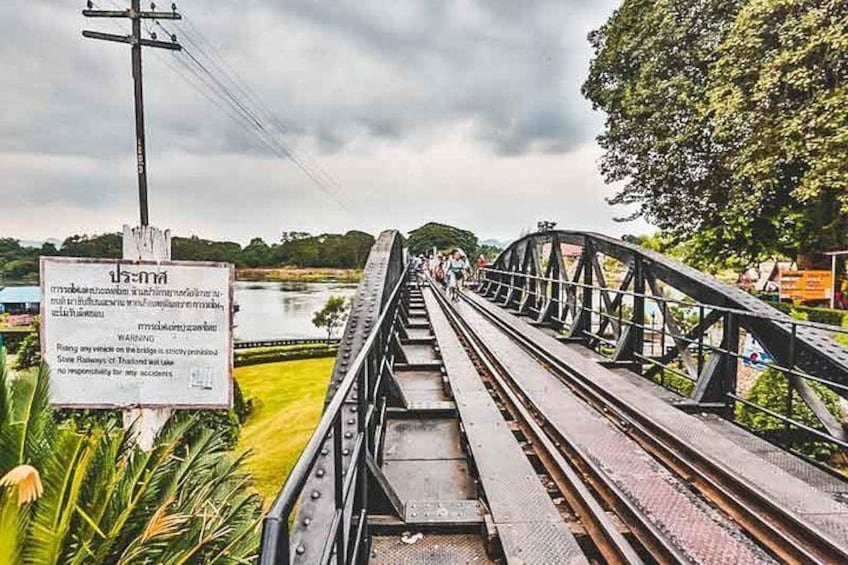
(297, 274)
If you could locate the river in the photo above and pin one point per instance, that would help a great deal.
(275, 310)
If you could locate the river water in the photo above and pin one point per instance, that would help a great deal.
(274, 310)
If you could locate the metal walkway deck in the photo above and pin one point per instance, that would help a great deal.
(827, 516)
(529, 526)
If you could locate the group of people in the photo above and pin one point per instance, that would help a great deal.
(451, 270)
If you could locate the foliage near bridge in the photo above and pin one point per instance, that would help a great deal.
(726, 121)
(349, 250)
(85, 494)
(442, 237)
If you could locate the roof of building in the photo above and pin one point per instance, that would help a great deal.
(20, 295)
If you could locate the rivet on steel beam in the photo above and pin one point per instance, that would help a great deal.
(300, 550)
(325, 451)
(348, 435)
(345, 451)
(307, 521)
(315, 495)
(319, 473)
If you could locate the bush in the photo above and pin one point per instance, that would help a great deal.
(823, 315)
(674, 382)
(106, 501)
(770, 391)
(245, 357)
(29, 352)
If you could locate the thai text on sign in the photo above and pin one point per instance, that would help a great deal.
(806, 285)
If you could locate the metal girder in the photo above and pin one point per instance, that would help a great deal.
(531, 283)
(816, 351)
(703, 325)
(616, 301)
(675, 333)
(552, 312)
(314, 516)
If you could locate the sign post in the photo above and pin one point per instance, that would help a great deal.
(144, 334)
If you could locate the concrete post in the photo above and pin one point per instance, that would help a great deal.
(146, 243)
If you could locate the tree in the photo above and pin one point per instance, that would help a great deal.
(771, 391)
(257, 254)
(778, 96)
(717, 111)
(442, 237)
(29, 352)
(332, 315)
(108, 245)
(73, 494)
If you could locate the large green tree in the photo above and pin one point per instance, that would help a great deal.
(442, 237)
(778, 99)
(689, 123)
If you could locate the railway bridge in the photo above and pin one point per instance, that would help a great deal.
(586, 402)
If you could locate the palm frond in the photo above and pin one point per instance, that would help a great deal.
(36, 421)
(64, 473)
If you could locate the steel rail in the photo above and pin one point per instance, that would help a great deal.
(609, 541)
(783, 533)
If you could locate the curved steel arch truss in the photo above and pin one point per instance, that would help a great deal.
(565, 279)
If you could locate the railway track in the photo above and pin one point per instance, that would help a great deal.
(763, 530)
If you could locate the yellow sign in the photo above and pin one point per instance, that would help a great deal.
(806, 285)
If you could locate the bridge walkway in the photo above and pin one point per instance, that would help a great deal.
(460, 476)
(423, 461)
(804, 492)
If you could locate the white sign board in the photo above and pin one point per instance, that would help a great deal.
(137, 334)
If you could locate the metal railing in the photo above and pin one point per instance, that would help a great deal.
(346, 543)
(602, 328)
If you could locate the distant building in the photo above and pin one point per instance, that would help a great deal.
(20, 300)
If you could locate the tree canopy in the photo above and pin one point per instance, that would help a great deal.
(442, 237)
(726, 121)
(349, 250)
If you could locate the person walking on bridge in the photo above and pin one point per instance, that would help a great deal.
(456, 268)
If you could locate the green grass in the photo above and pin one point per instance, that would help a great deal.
(288, 398)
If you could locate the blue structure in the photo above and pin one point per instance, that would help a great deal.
(20, 300)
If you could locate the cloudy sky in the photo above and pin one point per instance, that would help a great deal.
(464, 112)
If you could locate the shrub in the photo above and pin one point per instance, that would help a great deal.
(106, 501)
(770, 391)
(245, 357)
(29, 352)
(823, 315)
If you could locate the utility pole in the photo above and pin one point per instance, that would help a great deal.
(135, 15)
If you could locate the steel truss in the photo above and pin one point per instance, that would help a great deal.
(573, 295)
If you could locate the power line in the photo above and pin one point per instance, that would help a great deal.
(135, 15)
(248, 105)
(197, 39)
(207, 72)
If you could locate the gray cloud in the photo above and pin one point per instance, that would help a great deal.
(373, 90)
(335, 70)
